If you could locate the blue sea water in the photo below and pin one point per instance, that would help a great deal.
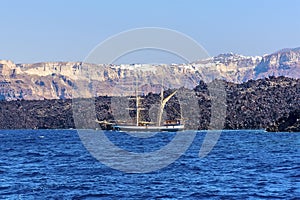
(54, 164)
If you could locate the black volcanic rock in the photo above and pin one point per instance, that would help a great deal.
(288, 123)
(251, 105)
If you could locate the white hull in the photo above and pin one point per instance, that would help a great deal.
(148, 128)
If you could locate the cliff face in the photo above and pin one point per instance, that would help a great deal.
(282, 63)
(230, 67)
(55, 80)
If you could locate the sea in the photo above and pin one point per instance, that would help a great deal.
(56, 164)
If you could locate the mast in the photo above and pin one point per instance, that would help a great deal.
(137, 110)
(137, 98)
(137, 104)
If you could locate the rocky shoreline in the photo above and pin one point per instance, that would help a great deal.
(269, 103)
(289, 123)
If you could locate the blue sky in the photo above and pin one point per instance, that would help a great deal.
(56, 30)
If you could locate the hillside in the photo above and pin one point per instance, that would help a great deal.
(250, 105)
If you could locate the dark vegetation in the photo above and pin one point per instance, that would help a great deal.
(271, 103)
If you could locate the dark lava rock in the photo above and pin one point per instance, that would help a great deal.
(251, 105)
(289, 123)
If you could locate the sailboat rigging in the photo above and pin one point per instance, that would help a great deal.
(169, 125)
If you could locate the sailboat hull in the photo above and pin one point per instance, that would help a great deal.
(169, 128)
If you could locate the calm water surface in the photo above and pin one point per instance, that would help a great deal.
(54, 164)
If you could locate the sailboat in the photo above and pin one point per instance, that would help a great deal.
(141, 126)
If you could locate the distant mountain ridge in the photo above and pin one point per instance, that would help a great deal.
(55, 80)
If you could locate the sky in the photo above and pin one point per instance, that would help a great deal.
(56, 30)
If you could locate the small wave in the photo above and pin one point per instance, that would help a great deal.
(93, 196)
(204, 195)
(4, 187)
(269, 196)
(30, 174)
(36, 154)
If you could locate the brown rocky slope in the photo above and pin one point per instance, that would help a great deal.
(55, 80)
